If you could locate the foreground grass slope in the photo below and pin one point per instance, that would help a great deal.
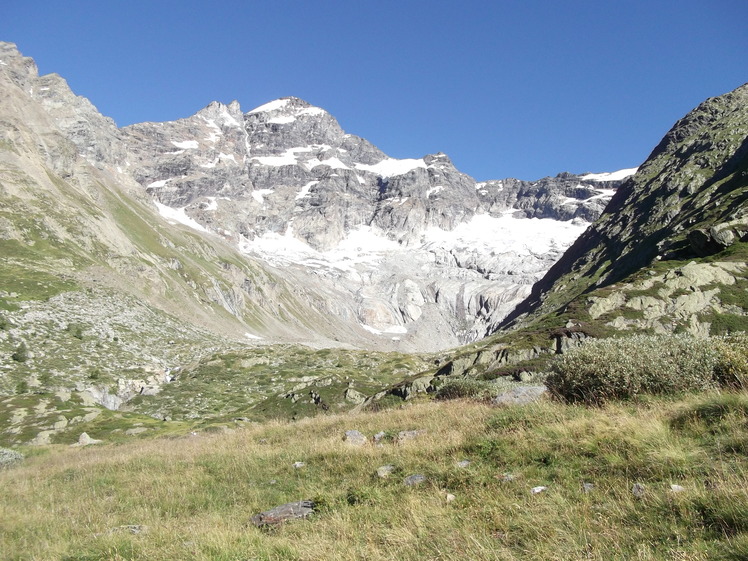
(191, 497)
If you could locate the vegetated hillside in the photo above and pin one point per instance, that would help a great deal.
(661, 480)
(688, 201)
(668, 255)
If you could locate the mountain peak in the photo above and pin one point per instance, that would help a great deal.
(286, 109)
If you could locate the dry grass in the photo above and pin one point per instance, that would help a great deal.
(196, 495)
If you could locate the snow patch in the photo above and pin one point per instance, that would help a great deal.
(259, 195)
(186, 144)
(249, 335)
(178, 215)
(305, 190)
(270, 106)
(215, 135)
(283, 120)
(434, 190)
(391, 167)
(611, 176)
(212, 205)
(159, 183)
(288, 158)
(312, 111)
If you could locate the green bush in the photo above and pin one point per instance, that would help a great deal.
(731, 370)
(624, 368)
(465, 387)
(21, 354)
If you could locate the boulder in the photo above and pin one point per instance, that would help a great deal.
(413, 480)
(385, 471)
(405, 435)
(520, 396)
(9, 457)
(85, 440)
(355, 438)
(283, 513)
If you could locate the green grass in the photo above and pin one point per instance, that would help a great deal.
(194, 495)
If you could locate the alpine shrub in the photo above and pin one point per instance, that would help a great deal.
(606, 369)
(465, 387)
(731, 370)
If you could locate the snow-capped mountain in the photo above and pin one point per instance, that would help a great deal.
(422, 252)
(387, 253)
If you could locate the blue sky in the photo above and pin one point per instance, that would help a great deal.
(507, 89)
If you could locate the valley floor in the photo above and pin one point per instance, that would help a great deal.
(664, 478)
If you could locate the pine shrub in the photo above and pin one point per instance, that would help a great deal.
(623, 368)
(21, 354)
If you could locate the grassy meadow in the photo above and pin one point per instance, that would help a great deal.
(192, 496)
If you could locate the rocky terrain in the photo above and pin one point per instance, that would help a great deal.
(230, 266)
(667, 256)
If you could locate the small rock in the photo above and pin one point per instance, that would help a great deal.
(677, 488)
(415, 479)
(405, 435)
(638, 490)
(137, 430)
(538, 489)
(450, 497)
(385, 471)
(85, 440)
(283, 513)
(588, 487)
(355, 438)
(506, 477)
(131, 528)
(354, 397)
(463, 463)
(379, 437)
(298, 465)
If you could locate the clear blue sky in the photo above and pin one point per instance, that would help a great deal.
(507, 89)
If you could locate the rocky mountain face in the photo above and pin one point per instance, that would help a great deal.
(404, 254)
(688, 201)
(426, 257)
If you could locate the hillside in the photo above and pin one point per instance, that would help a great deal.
(668, 255)
(665, 479)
